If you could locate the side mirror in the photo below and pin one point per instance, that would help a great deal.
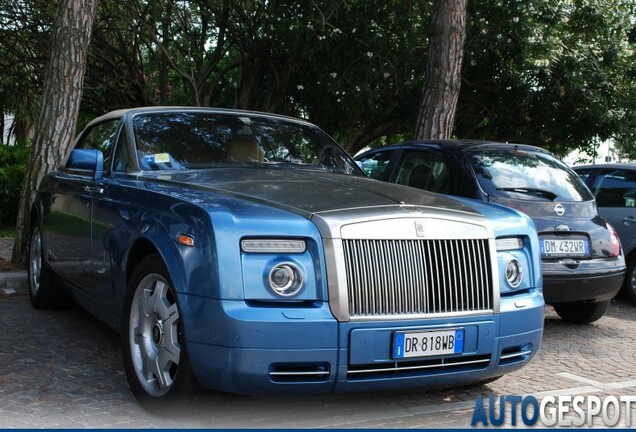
(90, 160)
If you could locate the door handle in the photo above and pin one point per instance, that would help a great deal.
(629, 220)
(94, 189)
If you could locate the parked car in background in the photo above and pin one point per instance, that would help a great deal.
(583, 265)
(614, 187)
(248, 253)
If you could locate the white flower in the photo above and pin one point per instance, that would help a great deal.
(333, 75)
(515, 19)
(369, 54)
(300, 87)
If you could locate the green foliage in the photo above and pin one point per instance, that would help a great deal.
(353, 67)
(7, 232)
(559, 74)
(363, 80)
(550, 73)
(24, 34)
(13, 160)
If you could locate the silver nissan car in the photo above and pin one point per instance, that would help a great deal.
(614, 187)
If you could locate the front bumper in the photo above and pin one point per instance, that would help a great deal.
(568, 281)
(237, 348)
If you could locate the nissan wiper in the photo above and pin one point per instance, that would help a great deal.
(531, 191)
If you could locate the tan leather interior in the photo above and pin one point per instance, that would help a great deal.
(244, 149)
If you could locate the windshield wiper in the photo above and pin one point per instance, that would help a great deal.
(531, 191)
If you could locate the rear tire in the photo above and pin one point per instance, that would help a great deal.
(629, 285)
(42, 291)
(582, 312)
(153, 346)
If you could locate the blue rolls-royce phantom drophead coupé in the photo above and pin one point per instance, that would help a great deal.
(248, 253)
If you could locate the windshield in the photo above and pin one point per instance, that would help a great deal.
(200, 140)
(527, 175)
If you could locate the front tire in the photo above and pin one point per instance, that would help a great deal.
(155, 359)
(42, 292)
(582, 312)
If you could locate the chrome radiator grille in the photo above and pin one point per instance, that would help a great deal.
(404, 277)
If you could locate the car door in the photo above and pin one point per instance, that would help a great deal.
(66, 225)
(112, 208)
(378, 164)
(615, 193)
(69, 228)
(428, 169)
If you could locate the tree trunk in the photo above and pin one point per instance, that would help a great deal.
(22, 130)
(61, 95)
(443, 70)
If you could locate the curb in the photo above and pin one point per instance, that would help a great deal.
(13, 283)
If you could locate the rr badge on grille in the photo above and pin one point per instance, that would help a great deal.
(420, 230)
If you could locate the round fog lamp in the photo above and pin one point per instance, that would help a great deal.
(285, 279)
(514, 273)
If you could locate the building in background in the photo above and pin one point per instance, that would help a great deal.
(8, 123)
(605, 153)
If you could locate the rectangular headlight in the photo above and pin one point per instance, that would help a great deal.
(273, 246)
(508, 244)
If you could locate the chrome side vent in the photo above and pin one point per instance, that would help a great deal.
(418, 368)
(515, 355)
(295, 373)
(417, 276)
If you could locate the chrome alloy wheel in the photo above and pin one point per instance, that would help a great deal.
(35, 261)
(154, 335)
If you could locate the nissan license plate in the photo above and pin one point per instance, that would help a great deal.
(564, 248)
(428, 343)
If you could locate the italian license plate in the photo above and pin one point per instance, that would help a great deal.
(429, 343)
(564, 248)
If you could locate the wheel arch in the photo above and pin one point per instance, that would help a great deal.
(167, 249)
(630, 261)
(190, 268)
(141, 248)
(630, 252)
